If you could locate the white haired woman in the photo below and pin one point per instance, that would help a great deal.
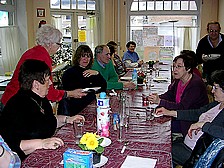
(48, 40)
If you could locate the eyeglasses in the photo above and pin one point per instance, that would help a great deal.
(211, 30)
(86, 55)
(177, 66)
(216, 87)
(60, 44)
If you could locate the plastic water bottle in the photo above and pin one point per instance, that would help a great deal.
(134, 77)
(103, 115)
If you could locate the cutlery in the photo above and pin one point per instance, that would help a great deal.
(124, 147)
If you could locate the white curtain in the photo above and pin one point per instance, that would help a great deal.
(187, 38)
(10, 48)
(92, 31)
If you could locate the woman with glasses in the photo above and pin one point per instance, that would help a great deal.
(187, 91)
(208, 119)
(48, 40)
(80, 76)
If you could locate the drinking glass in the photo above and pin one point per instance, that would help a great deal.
(149, 113)
(78, 130)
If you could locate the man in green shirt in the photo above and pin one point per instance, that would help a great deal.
(103, 64)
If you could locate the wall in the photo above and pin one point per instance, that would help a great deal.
(221, 14)
(209, 12)
(33, 20)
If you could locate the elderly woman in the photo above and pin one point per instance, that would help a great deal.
(208, 119)
(48, 40)
(187, 91)
(80, 76)
(27, 122)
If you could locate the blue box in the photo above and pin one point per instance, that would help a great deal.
(77, 159)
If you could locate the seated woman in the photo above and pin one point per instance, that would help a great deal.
(187, 91)
(80, 76)
(208, 119)
(27, 122)
(118, 64)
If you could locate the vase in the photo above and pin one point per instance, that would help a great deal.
(140, 80)
(96, 157)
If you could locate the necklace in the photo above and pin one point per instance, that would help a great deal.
(39, 105)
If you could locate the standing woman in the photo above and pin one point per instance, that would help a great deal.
(48, 40)
(80, 76)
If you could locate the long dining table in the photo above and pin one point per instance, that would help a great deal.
(146, 138)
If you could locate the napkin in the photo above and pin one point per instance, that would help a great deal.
(138, 162)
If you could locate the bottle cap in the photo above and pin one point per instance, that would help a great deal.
(102, 95)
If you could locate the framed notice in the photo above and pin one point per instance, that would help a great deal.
(40, 12)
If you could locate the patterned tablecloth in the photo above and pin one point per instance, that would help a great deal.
(151, 139)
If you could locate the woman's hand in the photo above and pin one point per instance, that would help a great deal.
(76, 118)
(154, 98)
(52, 143)
(89, 72)
(77, 93)
(163, 111)
(196, 127)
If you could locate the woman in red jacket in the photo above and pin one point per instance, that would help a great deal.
(48, 40)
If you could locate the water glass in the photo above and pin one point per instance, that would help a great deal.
(149, 113)
(78, 130)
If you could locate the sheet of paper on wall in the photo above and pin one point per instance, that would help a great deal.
(138, 162)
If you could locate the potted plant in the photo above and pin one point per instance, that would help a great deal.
(92, 142)
(141, 77)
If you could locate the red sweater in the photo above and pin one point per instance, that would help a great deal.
(37, 53)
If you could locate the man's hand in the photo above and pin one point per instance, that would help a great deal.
(129, 85)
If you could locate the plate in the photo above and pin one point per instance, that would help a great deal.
(141, 84)
(106, 142)
(160, 80)
(214, 56)
(126, 78)
(155, 115)
(103, 161)
(153, 105)
(91, 89)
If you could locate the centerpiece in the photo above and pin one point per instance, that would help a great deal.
(141, 77)
(92, 142)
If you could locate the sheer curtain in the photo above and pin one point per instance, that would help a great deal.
(92, 31)
(10, 47)
(187, 38)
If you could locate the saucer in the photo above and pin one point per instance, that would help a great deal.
(91, 89)
(155, 115)
(103, 161)
(141, 84)
(126, 78)
(106, 142)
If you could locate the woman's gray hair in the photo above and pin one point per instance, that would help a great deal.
(48, 34)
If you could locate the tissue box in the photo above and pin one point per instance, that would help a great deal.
(77, 159)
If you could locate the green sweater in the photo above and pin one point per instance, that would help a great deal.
(109, 74)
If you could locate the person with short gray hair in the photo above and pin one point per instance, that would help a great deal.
(103, 64)
(48, 40)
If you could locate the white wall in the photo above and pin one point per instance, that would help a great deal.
(221, 14)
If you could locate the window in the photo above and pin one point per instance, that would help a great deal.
(140, 5)
(160, 27)
(73, 4)
(7, 12)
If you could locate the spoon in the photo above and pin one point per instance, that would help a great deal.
(124, 147)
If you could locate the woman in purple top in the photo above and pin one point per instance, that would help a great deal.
(187, 91)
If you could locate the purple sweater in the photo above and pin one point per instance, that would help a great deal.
(193, 97)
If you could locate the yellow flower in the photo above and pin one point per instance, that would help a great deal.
(92, 143)
(85, 137)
